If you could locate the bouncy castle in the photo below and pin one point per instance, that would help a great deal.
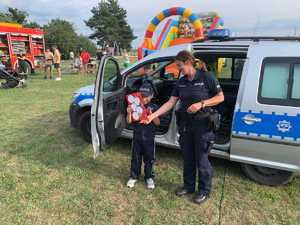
(188, 28)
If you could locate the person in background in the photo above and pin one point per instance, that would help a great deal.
(143, 143)
(57, 62)
(2, 66)
(126, 59)
(71, 55)
(48, 63)
(197, 91)
(85, 56)
(99, 54)
(77, 63)
(21, 64)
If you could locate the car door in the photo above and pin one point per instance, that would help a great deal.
(108, 109)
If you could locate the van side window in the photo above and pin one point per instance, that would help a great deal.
(296, 82)
(275, 81)
(280, 82)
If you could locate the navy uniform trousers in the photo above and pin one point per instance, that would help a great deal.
(142, 150)
(195, 144)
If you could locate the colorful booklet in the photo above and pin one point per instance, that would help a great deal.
(135, 101)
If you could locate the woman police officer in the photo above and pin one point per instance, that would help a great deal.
(197, 90)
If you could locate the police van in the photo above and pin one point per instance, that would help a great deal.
(260, 117)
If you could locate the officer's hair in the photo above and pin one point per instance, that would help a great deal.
(184, 56)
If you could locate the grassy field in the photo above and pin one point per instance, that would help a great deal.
(48, 175)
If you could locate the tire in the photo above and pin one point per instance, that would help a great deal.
(85, 126)
(267, 176)
(27, 68)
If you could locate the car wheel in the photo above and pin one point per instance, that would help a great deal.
(85, 126)
(27, 68)
(267, 176)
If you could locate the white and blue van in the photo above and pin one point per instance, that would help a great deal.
(260, 78)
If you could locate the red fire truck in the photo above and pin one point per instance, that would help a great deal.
(17, 41)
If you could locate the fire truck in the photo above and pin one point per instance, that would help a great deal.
(17, 42)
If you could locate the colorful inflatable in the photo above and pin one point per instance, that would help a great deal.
(188, 28)
(148, 46)
(168, 34)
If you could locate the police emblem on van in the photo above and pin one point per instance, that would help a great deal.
(284, 126)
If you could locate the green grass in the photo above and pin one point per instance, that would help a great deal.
(48, 174)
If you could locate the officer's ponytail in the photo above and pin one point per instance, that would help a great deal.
(184, 56)
(200, 65)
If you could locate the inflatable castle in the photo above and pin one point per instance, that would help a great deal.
(188, 28)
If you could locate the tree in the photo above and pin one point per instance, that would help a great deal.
(14, 15)
(32, 25)
(85, 43)
(62, 34)
(109, 24)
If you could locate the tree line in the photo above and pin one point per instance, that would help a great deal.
(108, 24)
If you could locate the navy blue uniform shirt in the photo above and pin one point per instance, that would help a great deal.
(143, 131)
(202, 87)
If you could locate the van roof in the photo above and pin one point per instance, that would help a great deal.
(239, 43)
(249, 40)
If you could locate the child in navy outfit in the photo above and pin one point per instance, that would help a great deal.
(143, 145)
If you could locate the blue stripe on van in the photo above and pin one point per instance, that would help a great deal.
(271, 125)
(82, 97)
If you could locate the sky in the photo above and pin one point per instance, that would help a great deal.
(259, 17)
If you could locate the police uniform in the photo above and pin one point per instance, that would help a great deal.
(195, 135)
(143, 144)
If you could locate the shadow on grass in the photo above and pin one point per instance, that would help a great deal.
(49, 139)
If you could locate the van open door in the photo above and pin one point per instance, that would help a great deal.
(108, 110)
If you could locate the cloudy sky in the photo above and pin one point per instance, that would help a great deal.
(281, 17)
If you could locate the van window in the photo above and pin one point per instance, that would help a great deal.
(110, 77)
(280, 82)
(229, 68)
(275, 81)
(296, 82)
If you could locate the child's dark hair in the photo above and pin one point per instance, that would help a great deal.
(184, 56)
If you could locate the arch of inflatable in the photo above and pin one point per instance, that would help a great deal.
(175, 11)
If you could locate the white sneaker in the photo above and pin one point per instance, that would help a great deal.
(150, 183)
(58, 78)
(131, 182)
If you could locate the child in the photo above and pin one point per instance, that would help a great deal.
(77, 64)
(143, 146)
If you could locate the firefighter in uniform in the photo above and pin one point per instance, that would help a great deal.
(197, 91)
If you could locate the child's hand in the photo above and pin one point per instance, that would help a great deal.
(129, 110)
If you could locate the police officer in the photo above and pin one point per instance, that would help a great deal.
(197, 91)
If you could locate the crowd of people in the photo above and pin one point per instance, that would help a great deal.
(79, 62)
(52, 59)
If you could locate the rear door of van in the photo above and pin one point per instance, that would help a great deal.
(266, 126)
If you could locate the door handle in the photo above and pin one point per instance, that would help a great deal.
(251, 119)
